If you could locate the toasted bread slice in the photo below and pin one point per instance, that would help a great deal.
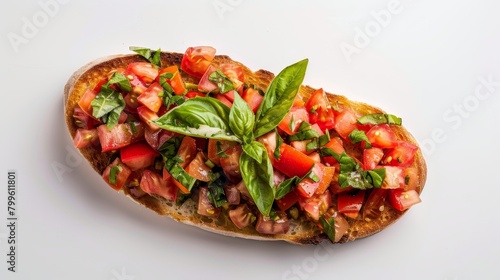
(301, 231)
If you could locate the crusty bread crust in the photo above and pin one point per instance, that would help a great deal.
(301, 231)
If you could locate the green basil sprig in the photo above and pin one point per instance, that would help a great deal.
(357, 136)
(224, 84)
(150, 55)
(328, 227)
(207, 117)
(380, 119)
(108, 104)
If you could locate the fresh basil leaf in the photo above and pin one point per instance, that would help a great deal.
(380, 119)
(304, 135)
(152, 56)
(279, 142)
(328, 227)
(377, 176)
(279, 97)
(357, 136)
(216, 192)
(354, 179)
(204, 117)
(105, 101)
(241, 119)
(169, 148)
(254, 151)
(222, 81)
(285, 187)
(113, 172)
(120, 80)
(179, 174)
(114, 115)
(258, 178)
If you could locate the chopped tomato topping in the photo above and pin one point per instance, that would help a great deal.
(196, 60)
(138, 155)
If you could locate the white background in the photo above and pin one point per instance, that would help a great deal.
(423, 63)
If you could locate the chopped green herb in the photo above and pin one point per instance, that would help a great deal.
(380, 119)
(113, 172)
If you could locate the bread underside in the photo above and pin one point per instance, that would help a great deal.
(302, 231)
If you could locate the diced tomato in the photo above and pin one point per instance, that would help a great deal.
(372, 158)
(337, 146)
(86, 100)
(122, 174)
(382, 136)
(152, 183)
(241, 216)
(201, 145)
(198, 169)
(83, 120)
(229, 95)
(320, 110)
(301, 146)
(131, 101)
(298, 115)
(156, 138)
(345, 123)
(205, 85)
(145, 71)
(196, 60)
(326, 179)
(187, 151)
(317, 205)
(374, 204)
(316, 157)
(85, 138)
(138, 86)
(123, 117)
(411, 178)
(234, 72)
(253, 98)
(193, 94)
(402, 200)
(205, 207)
(147, 116)
(222, 98)
(350, 204)
(176, 81)
(278, 225)
(341, 225)
(231, 164)
(394, 177)
(292, 162)
(299, 100)
(150, 98)
(120, 135)
(232, 193)
(138, 155)
(269, 141)
(213, 151)
(288, 200)
(335, 187)
(402, 154)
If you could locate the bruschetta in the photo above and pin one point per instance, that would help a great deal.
(203, 139)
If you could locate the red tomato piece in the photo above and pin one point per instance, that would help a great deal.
(86, 100)
(152, 183)
(253, 98)
(291, 123)
(147, 116)
(205, 84)
(292, 162)
(222, 98)
(193, 94)
(176, 81)
(198, 169)
(138, 155)
(402, 154)
(205, 207)
(374, 204)
(345, 123)
(278, 225)
(317, 205)
(122, 174)
(402, 200)
(232, 195)
(350, 204)
(394, 177)
(287, 201)
(84, 120)
(241, 216)
(234, 72)
(337, 146)
(145, 71)
(372, 158)
(138, 86)
(326, 179)
(85, 138)
(213, 151)
(382, 136)
(150, 98)
(120, 135)
(411, 178)
(231, 163)
(196, 60)
(320, 110)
